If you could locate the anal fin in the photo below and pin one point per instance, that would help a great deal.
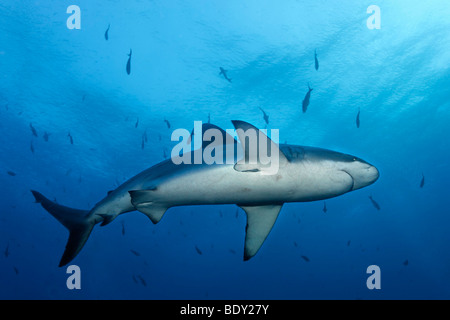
(260, 220)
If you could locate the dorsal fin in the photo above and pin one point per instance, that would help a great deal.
(260, 220)
(227, 138)
(260, 152)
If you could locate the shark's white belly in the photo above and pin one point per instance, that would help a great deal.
(221, 184)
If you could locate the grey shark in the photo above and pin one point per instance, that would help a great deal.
(304, 174)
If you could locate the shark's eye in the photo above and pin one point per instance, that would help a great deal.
(354, 159)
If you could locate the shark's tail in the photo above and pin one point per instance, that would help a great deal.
(76, 221)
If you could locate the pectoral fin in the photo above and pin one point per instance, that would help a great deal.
(260, 220)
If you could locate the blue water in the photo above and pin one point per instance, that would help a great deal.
(74, 81)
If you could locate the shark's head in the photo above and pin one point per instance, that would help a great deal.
(361, 172)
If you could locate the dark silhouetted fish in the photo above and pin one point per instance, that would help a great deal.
(33, 130)
(305, 103)
(145, 136)
(232, 251)
(137, 254)
(357, 118)
(7, 251)
(375, 204)
(265, 116)
(167, 122)
(224, 73)
(123, 228)
(295, 244)
(209, 118)
(129, 63)
(106, 32)
(348, 243)
(16, 270)
(316, 62)
(31, 147)
(137, 123)
(198, 250)
(46, 135)
(305, 258)
(142, 280)
(422, 182)
(70, 138)
(406, 262)
(134, 279)
(324, 207)
(11, 173)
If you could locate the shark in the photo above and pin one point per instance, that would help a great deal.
(303, 174)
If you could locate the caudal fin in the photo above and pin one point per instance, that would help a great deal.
(74, 220)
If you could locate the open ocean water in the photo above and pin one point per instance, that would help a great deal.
(76, 122)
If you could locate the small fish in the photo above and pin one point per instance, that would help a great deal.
(31, 147)
(316, 62)
(33, 130)
(357, 118)
(198, 250)
(324, 207)
(129, 63)
(232, 251)
(137, 123)
(265, 116)
(305, 102)
(422, 182)
(46, 135)
(305, 258)
(348, 243)
(224, 73)
(142, 280)
(106, 32)
(16, 270)
(134, 279)
(167, 122)
(7, 251)
(70, 138)
(295, 244)
(11, 173)
(145, 136)
(209, 118)
(137, 254)
(375, 204)
(406, 262)
(123, 228)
